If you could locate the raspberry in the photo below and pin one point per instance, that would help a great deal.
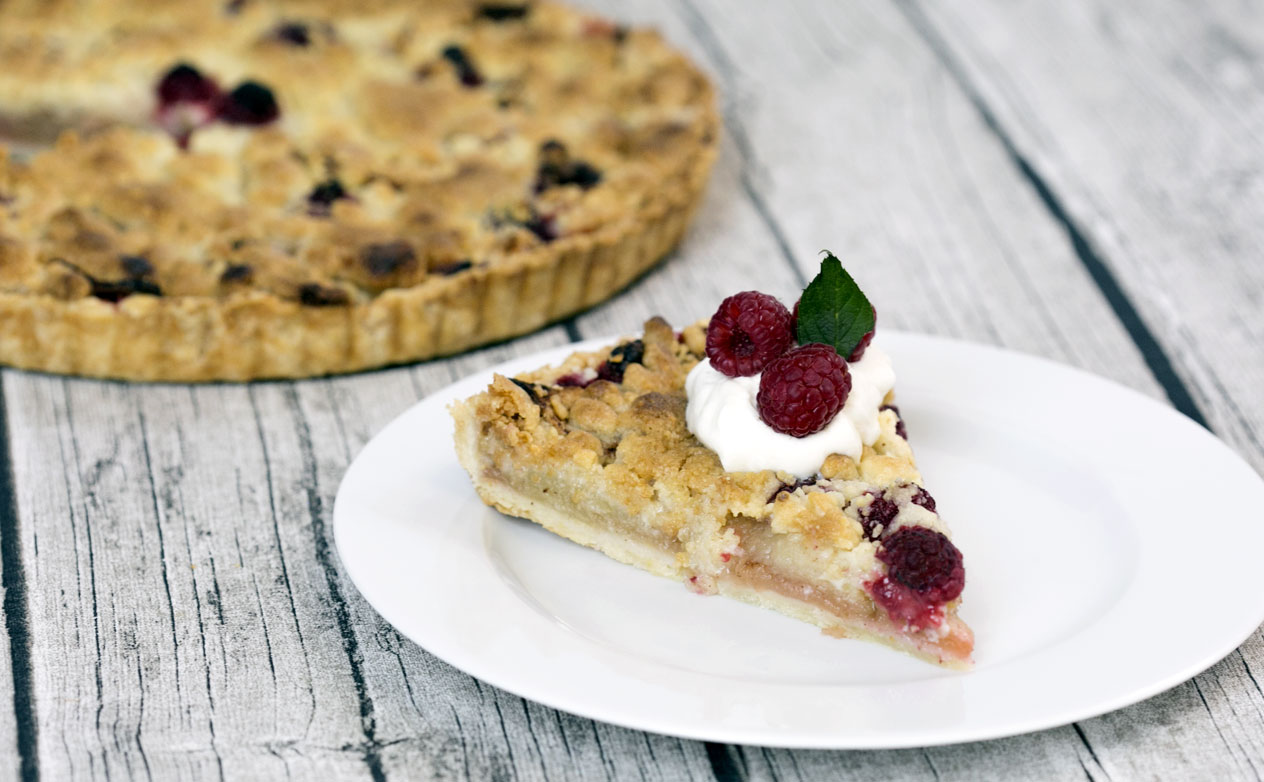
(748, 331)
(859, 351)
(185, 84)
(899, 422)
(923, 498)
(802, 391)
(925, 561)
(877, 517)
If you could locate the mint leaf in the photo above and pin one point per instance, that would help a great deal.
(833, 310)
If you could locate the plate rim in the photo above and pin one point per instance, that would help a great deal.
(944, 735)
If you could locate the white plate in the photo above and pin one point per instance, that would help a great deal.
(1111, 547)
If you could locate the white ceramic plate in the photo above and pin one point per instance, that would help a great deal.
(1111, 547)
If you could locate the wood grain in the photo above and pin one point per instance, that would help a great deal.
(188, 617)
(1162, 186)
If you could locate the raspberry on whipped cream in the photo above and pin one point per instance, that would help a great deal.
(722, 413)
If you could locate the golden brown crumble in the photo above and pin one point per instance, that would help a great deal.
(489, 174)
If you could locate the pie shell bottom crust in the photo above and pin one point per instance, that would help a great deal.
(626, 548)
(257, 335)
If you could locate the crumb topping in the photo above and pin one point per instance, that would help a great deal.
(325, 152)
(630, 439)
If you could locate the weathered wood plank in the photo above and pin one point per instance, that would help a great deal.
(17, 725)
(1164, 183)
(1163, 187)
(189, 618)
(183, 628)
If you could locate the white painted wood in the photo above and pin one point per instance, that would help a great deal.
(1164, 182)
(1165, 176)
(188, 614)
(184, 616)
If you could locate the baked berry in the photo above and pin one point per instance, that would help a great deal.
(747, 332)
(237, 272)
(502, 12)
(538, 393)
(115, 291)
(250, 103)
(574, 380)
(557, 168)
(186, 84)
(293, 33)
(313, 294)
(386, 258)
(187, 100)
(136, 266)
(923, 498)
(323, 195)
(876, 518)
(791, 488)
(899, 421)
(924, 561)
(543, 226)
(859, 351)
(466, 73)
(621, 358)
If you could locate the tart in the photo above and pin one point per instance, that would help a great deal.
(239, 190)
(601, 450)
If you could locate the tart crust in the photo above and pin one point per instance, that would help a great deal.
(609, 464)
(241, 332)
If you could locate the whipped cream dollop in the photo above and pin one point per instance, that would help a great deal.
(721, 412)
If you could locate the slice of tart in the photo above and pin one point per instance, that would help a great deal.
(651, 452)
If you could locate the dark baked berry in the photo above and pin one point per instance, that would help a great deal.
(573, 380)
(543, 226)
(557, 168)
(116, 290)
(293, 33)
(323, 196)
(450, 269)
(877, 517)
(923, 498)
(136, 266)
(250, 103)
(503, 12)
(859, 351)
(899, 421)
(466, 73)
(924, 561)
(537, 393)
(313, 294)
(187, 100)
(790, 488)
(801, 391)
(386, 258)
(237, 272)
(186, 84)
(628, 353)
(748, 331)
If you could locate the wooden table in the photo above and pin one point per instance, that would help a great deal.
(1077, 180)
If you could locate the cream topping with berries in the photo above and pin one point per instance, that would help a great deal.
(722, 413)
